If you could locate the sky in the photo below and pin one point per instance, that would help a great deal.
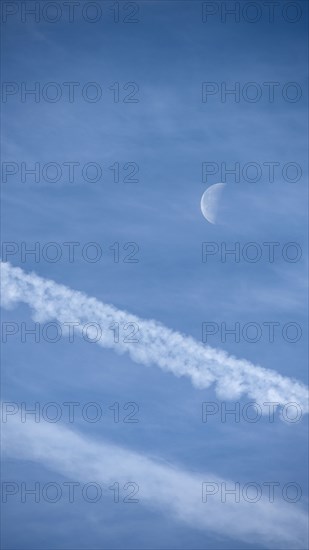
(132, 296)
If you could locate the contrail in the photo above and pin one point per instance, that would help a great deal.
(175, 492)
(158, 345)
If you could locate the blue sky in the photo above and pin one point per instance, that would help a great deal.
(168, 133)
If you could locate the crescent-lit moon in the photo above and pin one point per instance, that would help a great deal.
(210, 202)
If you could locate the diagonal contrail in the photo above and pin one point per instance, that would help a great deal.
(158, 345)
(175, 492)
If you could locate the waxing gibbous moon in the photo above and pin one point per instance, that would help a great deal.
(210, 202)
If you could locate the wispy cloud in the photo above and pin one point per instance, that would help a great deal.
(158, 345)
(168, 488)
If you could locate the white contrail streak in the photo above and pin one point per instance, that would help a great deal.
(158, 345)
(176, 492)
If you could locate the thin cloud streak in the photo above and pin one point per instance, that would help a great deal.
(162, 486)
(158, 345)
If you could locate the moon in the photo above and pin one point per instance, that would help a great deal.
(210, 202)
